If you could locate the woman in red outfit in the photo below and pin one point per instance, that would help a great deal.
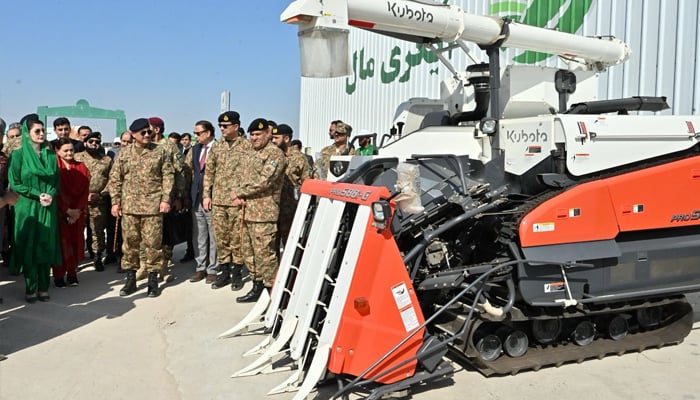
(72, 205)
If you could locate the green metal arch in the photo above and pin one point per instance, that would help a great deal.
(82, 109)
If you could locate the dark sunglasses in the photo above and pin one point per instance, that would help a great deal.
(146, 131)
(225, 125)
(200, 132)
(94, 141)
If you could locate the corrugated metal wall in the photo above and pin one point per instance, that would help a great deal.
(663, 35)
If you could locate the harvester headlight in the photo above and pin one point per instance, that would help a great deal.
(381, 211)
(488, 126)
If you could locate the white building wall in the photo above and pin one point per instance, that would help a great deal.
(663, 35)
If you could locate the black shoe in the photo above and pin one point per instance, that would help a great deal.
(99, 267)
(223, 278)
(153, 290)
(44, 296)
(59, 283)
(236, 277)
(109, 259)
(130, 285)
(187, 257)
(73, 281)
(254, 293)
(31, 298)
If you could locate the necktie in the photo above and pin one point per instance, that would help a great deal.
(203, 158)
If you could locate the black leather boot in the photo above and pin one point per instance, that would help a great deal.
(99, 267)
(110, 258)
(254, 293)
(153, 290)
(223, 278)
(237, 277)
(130, 285)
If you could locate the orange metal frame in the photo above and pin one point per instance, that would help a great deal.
(659, 197)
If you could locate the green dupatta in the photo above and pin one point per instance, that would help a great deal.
(36, 227)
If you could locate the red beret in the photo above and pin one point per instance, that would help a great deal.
(155, 121)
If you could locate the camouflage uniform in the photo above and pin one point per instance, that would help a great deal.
(98, 210)
(296, 173)
(260, 187)
(178, 192)
(12, 145)
(221, 173)
(142, 178)
(323, 164)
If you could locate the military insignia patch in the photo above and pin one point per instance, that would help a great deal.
(260, 125)
(225, 118)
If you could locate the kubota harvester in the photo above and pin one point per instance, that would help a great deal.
(518, 226)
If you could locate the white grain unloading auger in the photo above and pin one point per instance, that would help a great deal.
(525, 225)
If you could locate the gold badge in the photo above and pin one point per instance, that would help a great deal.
(226, 118)
(260, 125)
(274, 131)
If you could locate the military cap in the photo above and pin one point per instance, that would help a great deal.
(156, 121)
(230, 116)
(273, 125)
(138, 124)
(93, 135)
(285, 130)
(343, 128)
(258, 124)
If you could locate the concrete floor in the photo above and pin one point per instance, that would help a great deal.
(88, 343)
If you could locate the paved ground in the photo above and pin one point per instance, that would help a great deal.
(88, 343)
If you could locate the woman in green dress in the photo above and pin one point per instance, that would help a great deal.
(33, 174)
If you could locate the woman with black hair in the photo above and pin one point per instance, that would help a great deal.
(33, 174)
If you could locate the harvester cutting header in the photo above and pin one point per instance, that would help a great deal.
(511, 224)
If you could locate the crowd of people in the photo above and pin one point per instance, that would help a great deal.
(237, 194)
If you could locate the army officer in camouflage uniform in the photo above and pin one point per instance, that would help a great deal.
(221, 172)
(258, 192)
(296, 173)
(99, 166)
(141, 182)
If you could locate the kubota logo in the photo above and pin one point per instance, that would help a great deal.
(561, 15)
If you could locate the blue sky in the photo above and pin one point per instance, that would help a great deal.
(166, 58)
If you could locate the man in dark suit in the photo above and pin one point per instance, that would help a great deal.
(202, 231)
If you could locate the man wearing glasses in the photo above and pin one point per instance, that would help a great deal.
(222, 171)
(157, 128)
(339, 147)
(141, 184)
(99, 165)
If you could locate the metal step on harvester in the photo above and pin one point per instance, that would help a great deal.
(318, 313)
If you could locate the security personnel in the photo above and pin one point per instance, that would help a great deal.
(296, 172)
(141, 184)
(99, 165)
(258, 192)
(179, 192)
(340, 146)
(222, 171)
